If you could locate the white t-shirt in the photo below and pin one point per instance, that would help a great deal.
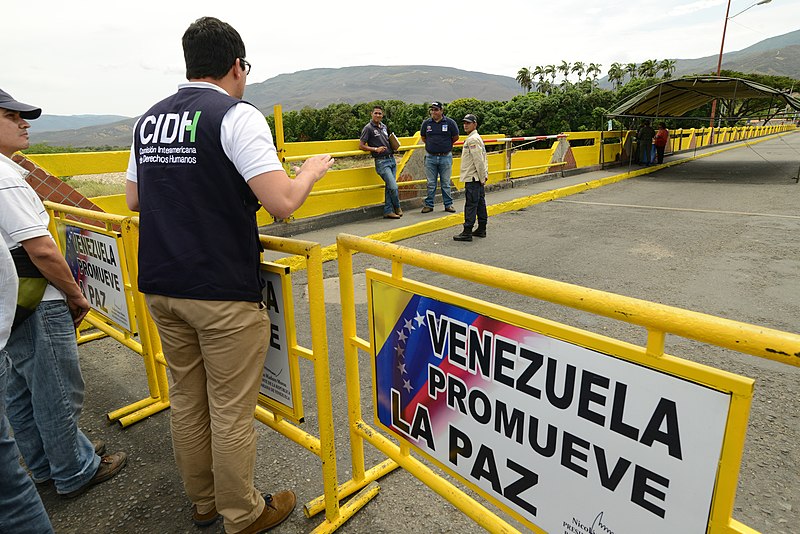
(8, 294)
(245, 136)
(22, 216)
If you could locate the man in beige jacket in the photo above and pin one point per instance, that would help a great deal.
(474, 173)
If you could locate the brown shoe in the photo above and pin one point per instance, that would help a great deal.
(99, 447)
(278, 508)
(391, 216)
(450, 209)
(204, 520)
(427, 209)
(109, 466)
(399, 211)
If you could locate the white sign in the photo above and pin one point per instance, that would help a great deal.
(276, 380)
(569, 439)
(94, 260)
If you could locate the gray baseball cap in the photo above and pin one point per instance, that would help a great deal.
(26, 111)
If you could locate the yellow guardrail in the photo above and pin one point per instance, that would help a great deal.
(305, 255)
(154, 363)
(658, 320)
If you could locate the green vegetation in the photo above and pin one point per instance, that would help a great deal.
(90, 187)
(546, 108)
(42, 148)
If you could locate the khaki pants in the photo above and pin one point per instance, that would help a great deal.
(215, 351)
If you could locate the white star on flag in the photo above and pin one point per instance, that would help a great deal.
(402, 368)
(420, 319)
(408, 325)
(399, 350)
(401, 336)
(407, 385)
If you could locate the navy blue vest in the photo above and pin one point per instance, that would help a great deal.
(198, 235)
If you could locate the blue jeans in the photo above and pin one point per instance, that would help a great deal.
(45, 398)
(21, 508)
(441, 166)
(387, 170)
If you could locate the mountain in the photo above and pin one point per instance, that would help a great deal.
(115, 134)
(318, 88)
(55, 123)
(776, 56)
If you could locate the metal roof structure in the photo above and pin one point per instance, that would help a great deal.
(673, 98)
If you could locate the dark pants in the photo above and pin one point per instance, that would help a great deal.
(475, 205)
(660, 154)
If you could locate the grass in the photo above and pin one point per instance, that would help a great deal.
(94, 188)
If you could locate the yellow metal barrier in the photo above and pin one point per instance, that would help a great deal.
(155, 366)
(657, 319)
(149, 347)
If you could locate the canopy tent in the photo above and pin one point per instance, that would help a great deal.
(673, 98)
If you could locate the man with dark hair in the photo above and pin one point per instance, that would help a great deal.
(45, 387)
(201, 161)
(474, 173)
(438, 133)
(375, 139)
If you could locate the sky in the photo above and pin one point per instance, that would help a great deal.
(93, 57)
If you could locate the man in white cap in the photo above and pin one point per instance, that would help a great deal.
(45, 386)
(474, 173)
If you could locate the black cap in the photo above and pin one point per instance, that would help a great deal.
(436, 104)
(26, 111)
(469, 117)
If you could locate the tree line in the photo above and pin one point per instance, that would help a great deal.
(567, 107)
(542, 79)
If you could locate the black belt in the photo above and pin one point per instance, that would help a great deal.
(382, 157)
(439, 153)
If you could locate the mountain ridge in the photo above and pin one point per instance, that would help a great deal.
(317, 88)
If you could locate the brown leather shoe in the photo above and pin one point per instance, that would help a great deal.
(109, 466)
(204, 520)
(278, 508)
(427, 209)
(99, 447)
(450, 209)
(399, 211)
(391, 216)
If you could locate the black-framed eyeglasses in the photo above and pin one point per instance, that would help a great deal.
(245, 65)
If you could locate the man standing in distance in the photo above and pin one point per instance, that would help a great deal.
(45, 387)
(201, 161)
(375, 139)
(438, 133)
(474, 173)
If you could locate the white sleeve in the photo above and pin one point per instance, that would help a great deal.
(247, 141)
(23, 215)
(131, 173)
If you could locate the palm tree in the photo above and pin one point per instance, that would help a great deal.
(551, 71)
(667, 66)
(564, 67)
(579, 67)
(594, 70)
(631, 69)
(524, 78)
(648, 68)
(539, 73)
(616, 73)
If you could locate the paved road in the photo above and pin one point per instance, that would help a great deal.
(719, 235)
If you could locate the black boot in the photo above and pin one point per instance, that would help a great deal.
(480, 231)
(465, 235)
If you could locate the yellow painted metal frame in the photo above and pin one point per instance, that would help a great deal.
(658, 319)
(322, 446)
(155, 365)
(294, 412)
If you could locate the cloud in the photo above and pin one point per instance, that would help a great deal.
(693, 7)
